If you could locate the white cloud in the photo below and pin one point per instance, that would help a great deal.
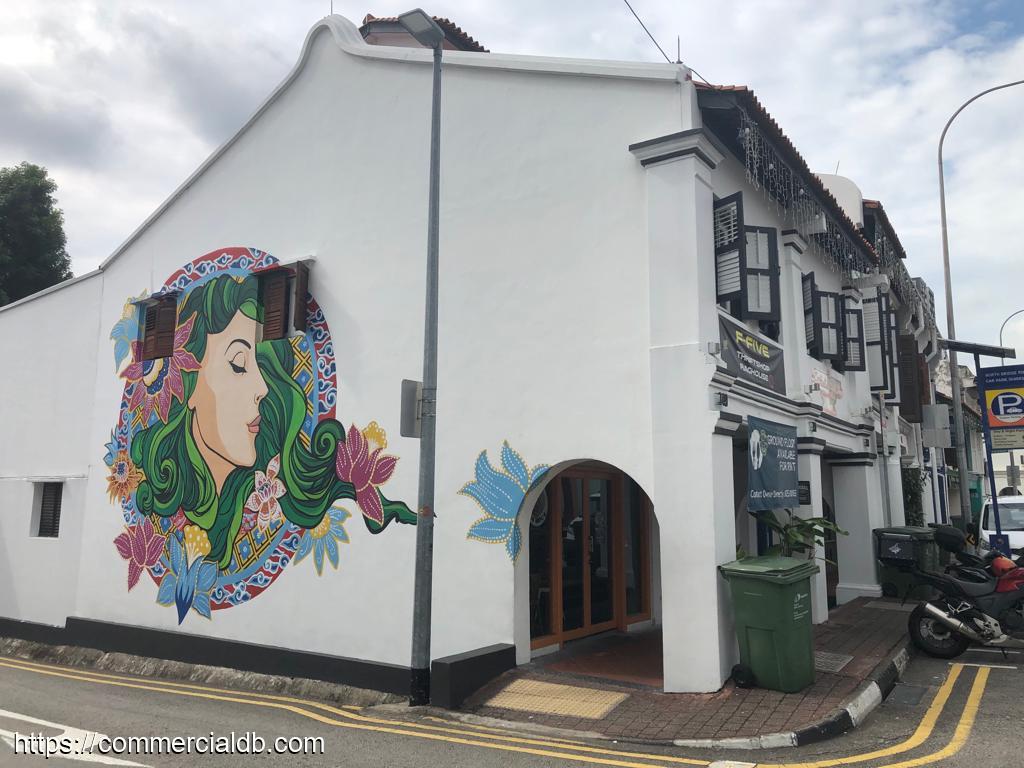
(123, 101)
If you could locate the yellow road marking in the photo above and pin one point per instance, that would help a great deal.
(502, 731)
(963, 728)
(591, 755)
(920, 735)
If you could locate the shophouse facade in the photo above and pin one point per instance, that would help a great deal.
(223, 459)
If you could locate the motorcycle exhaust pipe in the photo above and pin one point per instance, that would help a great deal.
(955, 624)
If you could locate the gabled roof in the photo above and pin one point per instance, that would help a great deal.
(745, 98)
(452, 31)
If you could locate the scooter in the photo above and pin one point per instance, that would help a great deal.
(987, 608)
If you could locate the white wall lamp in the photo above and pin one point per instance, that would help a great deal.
(812, 427)
(810, 388)
(714, 347)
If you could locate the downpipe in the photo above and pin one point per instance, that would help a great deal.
(1005, 641)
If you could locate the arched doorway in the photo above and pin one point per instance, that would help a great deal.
(590, 566)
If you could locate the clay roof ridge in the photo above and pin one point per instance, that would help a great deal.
(447, 25)
(767, 121)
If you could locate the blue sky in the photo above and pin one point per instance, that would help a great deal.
(121, 101)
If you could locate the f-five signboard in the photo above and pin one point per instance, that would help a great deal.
(750, 356)
(1003, 392)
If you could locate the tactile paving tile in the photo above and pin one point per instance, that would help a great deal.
(830, 662)
(555, 699)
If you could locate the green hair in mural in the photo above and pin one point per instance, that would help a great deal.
(239, 409)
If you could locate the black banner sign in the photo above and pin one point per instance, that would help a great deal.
(771, 465)
(752, 357)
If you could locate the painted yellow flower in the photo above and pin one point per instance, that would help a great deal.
(124, 477)
(197, 543)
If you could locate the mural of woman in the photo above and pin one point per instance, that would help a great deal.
(226, 459)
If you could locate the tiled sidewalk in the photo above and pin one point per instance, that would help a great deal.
(861, 629)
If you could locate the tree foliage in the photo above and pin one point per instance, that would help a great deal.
(32, 241)
(913, 488)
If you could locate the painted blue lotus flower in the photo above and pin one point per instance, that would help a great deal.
(325, 538)
(125, 331)
(187, 584)
(500, 494)
(112, 448)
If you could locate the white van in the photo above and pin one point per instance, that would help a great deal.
(1011, 520)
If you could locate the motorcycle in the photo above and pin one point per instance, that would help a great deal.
(979, 600)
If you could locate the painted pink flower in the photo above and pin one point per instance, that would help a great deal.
(141, 546)
(264, 499)
(359, 461)
(157, 381)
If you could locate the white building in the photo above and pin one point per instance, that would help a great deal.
(236, 485)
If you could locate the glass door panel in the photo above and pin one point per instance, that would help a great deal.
(599, 545)
(573, 549)
(540, 568)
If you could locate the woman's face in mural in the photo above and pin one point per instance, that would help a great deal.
(226, 400)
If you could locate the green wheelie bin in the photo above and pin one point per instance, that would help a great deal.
(771, 600)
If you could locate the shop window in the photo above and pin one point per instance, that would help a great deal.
(160, 316)
(46, 516)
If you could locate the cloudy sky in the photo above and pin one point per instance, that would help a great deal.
(122, 100)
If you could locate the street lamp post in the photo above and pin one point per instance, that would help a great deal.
(430, 35)
(1001, 327)
(954, 370)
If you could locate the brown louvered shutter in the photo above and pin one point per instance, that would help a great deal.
(299, 302)
(166, 322)
(275, 304)
(149, 332)
(49, 510)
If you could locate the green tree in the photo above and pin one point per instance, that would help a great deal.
(32, 241)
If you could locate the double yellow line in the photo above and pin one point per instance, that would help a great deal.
(550, 747)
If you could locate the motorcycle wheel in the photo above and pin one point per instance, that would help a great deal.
(933, 637)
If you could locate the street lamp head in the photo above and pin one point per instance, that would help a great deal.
(426, 31)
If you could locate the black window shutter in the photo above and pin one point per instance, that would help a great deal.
(812, 316)
(299, 299)
(761, 278)
(854, 358)
(730, 243)
(910, 383)
(275, 304)
(874, 343)
(831, 322)
(892, 394)
(49, 510)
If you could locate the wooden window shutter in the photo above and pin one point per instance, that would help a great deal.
(854, 358)
(812, 316)
(925, 379)
(874, 344)
(910, 379)
(161, 318)
(149, 312)
(275, 304)
(761, 274)
(831, 325)
(299, 299)
(892, 394)
(730, 260)
(49, 510)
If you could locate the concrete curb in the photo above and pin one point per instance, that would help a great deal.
(220, 677)
(842, 720)
(852, 714)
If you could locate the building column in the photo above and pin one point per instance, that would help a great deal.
(693, 489)
(859, 510)
(809, 471)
